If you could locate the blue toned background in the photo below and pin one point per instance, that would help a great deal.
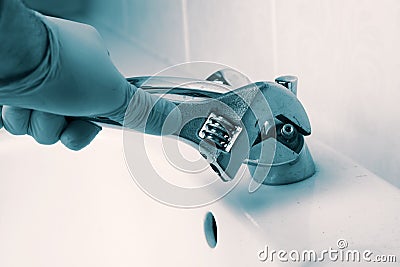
(60, 208)
(346, 54)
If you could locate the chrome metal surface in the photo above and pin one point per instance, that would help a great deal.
(289, 81)
(262, 124)
(220, 132)
(229, 77)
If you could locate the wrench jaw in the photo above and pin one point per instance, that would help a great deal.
(285, 106)
(218, 130)
(287, 166)
(292, 161)
(261, 124)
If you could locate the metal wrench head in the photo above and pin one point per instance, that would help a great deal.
(292, 161)
(227, 128)
(284, 105)
(240, 125)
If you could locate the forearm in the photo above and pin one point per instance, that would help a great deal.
(23, 40)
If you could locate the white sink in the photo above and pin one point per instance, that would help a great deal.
(62, 208)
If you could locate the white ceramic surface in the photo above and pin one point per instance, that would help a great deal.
(83, 209)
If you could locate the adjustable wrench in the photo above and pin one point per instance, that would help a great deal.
(260, 123)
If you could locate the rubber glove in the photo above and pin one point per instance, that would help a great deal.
(77, 78)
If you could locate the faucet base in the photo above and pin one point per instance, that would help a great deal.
(301, 168)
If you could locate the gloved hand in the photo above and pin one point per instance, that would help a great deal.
(76, 78)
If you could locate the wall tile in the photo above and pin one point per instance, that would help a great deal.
(344, 52)
(236, 33)
(130, 59)
(65, 9)
(346, 55)
(155, 26)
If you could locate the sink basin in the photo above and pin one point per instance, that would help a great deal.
(64, 208)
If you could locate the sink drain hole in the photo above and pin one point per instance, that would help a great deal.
(211, 230)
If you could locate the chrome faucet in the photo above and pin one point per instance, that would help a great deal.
(232, 121)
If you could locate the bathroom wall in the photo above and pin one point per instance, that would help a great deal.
(344, 52)
(59, 8)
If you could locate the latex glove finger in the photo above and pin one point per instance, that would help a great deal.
(100, 89)
(16, 120)
(79, 134)
(46, 128)
(76, 77)
(151, 114)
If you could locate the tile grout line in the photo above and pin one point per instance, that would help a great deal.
(274, 38)
(186, 34)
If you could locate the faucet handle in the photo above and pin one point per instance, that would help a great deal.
(288, 81)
